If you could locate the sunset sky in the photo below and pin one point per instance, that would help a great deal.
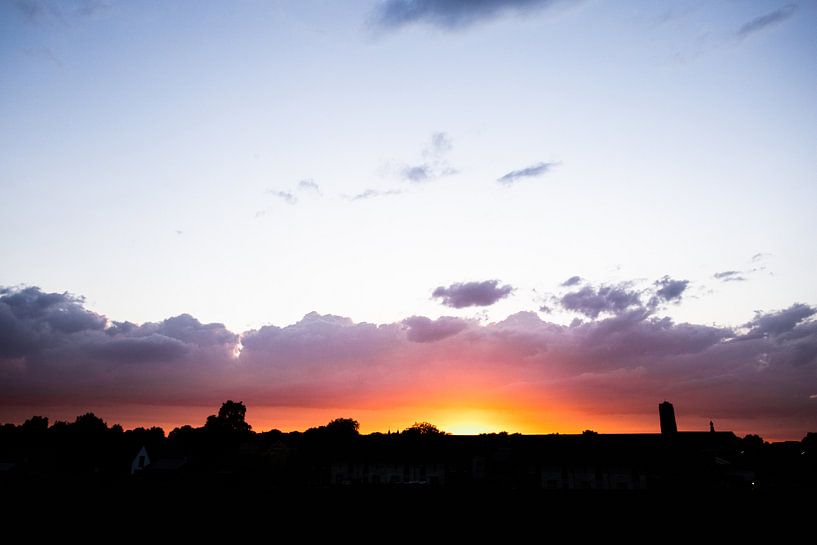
(523, 215)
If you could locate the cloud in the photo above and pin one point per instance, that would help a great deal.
(66, 347)
(55, 351)
(440, 144)
(417, 173)
(449, 14)
(729, 276)
(670, 290)
(425, 330)
(31, 319)
(128, 350)
(309, 185)
(435, 164)
(528, 172)
(765, 21)
(572, 281)
(371, 193)
(606, 299)
(285, 196)
(778, 323)
(32, 10)
(472, 294)
(42, 11)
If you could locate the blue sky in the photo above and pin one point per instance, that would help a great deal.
(153, 155)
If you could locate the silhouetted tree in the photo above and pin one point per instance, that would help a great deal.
(230, 418)
(423, 429)
(809, 442)
(36, 424)
(343, 426)
(752, 442)
(89, 423)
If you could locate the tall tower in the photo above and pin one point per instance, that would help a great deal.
(666, 413)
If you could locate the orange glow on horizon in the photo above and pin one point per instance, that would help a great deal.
(456, 417)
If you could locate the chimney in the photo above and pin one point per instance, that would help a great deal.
(666, 413)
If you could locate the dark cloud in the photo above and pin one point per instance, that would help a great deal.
(591, 301)
(449, 14)
(128, 350)
(528, 172)
(669, 289)
(426, 330)
(472, 294)
(66, 348)
(31, 319)
(729, 276)
(765, 21)
(778, 323)
(572, 281)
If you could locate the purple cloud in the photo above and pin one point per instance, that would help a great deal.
(472, 294)
(572, 281)
(591, 301)
(609, 365)
(426, 330)
(670, 290)
(778, 323)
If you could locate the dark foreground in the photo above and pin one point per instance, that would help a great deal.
(140, 509)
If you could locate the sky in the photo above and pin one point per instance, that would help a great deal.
(523, 215)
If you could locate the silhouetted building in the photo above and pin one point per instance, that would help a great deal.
(666, 413)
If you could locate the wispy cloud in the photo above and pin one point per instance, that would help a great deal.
(309, 185)
(528, 172)
(285, 196)
(371, 193)
(765, 21)
(43, 11)
(449, 14)
(729, 276)
(435, 164)
(44, 53)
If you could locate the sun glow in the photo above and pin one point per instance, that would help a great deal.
(473, 422)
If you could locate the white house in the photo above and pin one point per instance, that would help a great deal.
(140, 461)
